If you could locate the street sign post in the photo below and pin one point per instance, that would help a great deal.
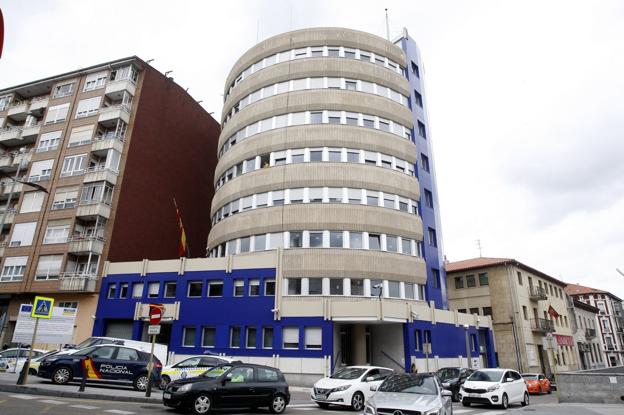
(155, 314)
(42, 308)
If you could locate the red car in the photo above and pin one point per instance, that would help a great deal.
(536, 383)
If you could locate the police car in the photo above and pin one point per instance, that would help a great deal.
(191, 367)
(11, 357)
(110, 362)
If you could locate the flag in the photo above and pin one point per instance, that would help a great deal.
(553, 313)
(89, 369)
(182, 245)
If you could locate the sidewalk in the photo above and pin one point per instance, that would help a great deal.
(572, 409)
(106, 391)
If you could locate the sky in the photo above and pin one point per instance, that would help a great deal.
(525, 101)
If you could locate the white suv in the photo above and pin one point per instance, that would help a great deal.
(494, 387)
(349, 386)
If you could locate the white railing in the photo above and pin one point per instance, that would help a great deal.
(115, 107)
(109, 136)
(39, 178)
(100, 167)
(46, 148)
(86, 238)
(72, 173)
(73, 281)
(94, 202)
(9, 129)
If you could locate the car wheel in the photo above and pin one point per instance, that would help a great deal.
(140, 382)
(62, 375)
(357, 401)
(278, 404)
(164, 381)
(525, 401)
(323, 405)
(505, 401)
(202, 404)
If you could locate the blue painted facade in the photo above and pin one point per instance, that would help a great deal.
(245, 311)
(435, 289)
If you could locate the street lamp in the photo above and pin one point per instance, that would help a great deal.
(466, 327)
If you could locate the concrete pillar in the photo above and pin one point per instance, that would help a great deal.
(359, 344)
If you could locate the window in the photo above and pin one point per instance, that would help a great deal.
(254, 288)
(459, 282)
(57, 113)
(251, 338)
(428, 198)
(355, 240)
(49, 141)
(290, 336)
(315, 194)
(474, 310)
(80, 136)
(277, 240)
(13, 269)
(409, 291)
(68, 304)
(461, 310)
(215, 289)
(269, 287)
(235, 337)
(208, 337)
(334, 195)
(23, 234)
(296, 239)
(278, 197)
(357, 287)
(415, 70)
(376, 288)
(335, 239)
(483, 279)
(313, 338)
(245, 244)
(316, 239)
(316, 155)
(64, 90)
(137, 290)
(417, 340)
(432, 238)
(41, 170)
(195, 289)
(351, 85)
(435, 277)
(394, 289)
(170, 289)
(267, 337)
(88, 107)
(49, 267)
(525, 313)
(374, 241)
(123, 353)
(316, 117)
(123, 290)
(392, 244)
(418, 99)
(188, 337)
(294, 286)
(267, 375)
(424, 161)
(73, 165)
(335, 156)
(126, 73)
(56, 233)
(355, 196)
(519, 278)
(95, 81)
(98, 192)
(153, 290)
(336, 286)
(470, 281)
(421, 130)
(239, 288)
(32, 202)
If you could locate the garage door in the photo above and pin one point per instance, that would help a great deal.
(120, 329)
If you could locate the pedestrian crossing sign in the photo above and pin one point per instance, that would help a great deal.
(43, 307)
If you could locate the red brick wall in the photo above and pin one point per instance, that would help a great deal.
(172, 151)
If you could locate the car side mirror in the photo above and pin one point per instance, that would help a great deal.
(373, 388)
(225, 380)
(369, 379)
(446, 385)
(446, 393)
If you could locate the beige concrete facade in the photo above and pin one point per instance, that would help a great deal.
(518, 298)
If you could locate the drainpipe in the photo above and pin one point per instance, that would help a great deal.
(515, 310)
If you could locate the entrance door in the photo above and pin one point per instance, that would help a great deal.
(544, 365)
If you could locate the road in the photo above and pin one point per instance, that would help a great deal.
(19, 404)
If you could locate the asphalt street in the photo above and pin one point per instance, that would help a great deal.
(22, 404)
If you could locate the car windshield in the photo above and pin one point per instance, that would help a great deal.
(529, 376)
(480, 376)
(448, 373)
(84, 352)
(416, 384)
(86, 343)
(348, 373)
(215, 372)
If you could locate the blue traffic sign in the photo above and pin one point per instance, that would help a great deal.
(42, 307)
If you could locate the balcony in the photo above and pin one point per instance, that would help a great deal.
(102, 144)
(9, 186)
(590, 334)
(77, 282)
(6, 160)
(3, 245)
(99, 174)
(537, 293)
(86, 244)
(10, 215)
(10, 136)
(23, 158)
(18, 110)
(92, 209)
(38, 105)
(542, 325)
(109, 115)
(115, 89)
(30, 132)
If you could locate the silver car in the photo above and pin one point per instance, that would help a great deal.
(410, 393)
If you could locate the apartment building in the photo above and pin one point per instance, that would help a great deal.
(610, 320)
(325, 246)
(90, 163)
(584, 319)
(526, 305)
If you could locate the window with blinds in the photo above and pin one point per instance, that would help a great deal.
(57, 113)
(49, 141)
(32, 202)
(13, 269)
(41, 170)
(88, 107)
(57, 232)
(49, 267)
(290, 336)
(23, 234)
(80, 135)
(313, 338)
(95, 81)
(65, 198)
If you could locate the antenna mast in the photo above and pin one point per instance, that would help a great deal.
(387, 26)
(479, 247)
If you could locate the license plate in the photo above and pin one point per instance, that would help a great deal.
(473, 395)
(321, 397)
(167, 395)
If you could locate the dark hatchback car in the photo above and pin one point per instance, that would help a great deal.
(452, 378)
(232, 385)
(112, 363)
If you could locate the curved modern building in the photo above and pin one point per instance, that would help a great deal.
(325, 245)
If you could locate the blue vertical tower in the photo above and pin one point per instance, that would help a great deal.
(432, 247)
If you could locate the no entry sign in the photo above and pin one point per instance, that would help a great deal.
(155, 313)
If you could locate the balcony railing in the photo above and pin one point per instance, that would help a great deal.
(590, 334)
(70, 281)
(543, 325)
(111, 135)
(537, 293)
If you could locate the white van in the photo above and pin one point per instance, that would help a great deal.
(160, 350)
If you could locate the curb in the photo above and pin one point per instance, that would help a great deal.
(29, 390)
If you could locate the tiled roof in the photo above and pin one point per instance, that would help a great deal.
(476, 263)
(577, 289)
